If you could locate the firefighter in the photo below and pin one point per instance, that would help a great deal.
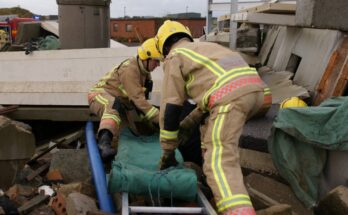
(227, 90)
(124, 86)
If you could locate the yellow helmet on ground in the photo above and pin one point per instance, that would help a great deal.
(148, 50)
(169, 28)
(293, 102)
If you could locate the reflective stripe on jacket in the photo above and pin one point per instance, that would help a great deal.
(196, 70)
(128, 80)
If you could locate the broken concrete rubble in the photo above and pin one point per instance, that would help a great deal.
(79, 204)
(72, 164)
(17, 145)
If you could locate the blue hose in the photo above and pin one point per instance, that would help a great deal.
(99, 177)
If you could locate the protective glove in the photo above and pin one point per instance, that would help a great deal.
(189, 124)
(167, 159)
(184, 135)
(104, 145)
(106, 152)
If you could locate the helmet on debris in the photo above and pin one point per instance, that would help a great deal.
(169, 28)
(148, 50)
(293, 102)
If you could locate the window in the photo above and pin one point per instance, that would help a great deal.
(115, 28)
(129, 28)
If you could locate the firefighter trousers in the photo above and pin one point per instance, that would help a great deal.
(221, 165)
(100, 104)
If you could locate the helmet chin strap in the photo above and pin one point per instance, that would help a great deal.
(147, 64)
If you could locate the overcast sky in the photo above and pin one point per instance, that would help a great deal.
(118, 7)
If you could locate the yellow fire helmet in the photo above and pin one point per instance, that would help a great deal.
(168, 29)
(148, 50)
(293, 102)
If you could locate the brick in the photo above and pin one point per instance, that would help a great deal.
(58, 204)
(335, 202)
(54, 176)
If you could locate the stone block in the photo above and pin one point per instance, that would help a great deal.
(17, 145)
(79, 204)
(331, 14)
(257, 130)
(336, 202)
(72, 164)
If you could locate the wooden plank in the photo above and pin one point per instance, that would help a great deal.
(9, 109)
(342, 79)
(264, 18)
(335, 78)
(282, 8)
(38, 171)
(30, 205)
(61, 141)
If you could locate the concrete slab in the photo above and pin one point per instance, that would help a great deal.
(72, 164)
(313, 47)
(60, 77)
(331, 14)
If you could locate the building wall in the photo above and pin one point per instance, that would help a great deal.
(148, 27)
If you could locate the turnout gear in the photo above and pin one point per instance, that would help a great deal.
(119, 92)
(168, 159)
(104, 145)
(168, 29)
(230, 92)
(148, 50)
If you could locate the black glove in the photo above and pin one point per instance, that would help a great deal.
(167, 159)
(104, 145)
(184, 135)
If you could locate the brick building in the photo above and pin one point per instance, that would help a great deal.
(130, 29)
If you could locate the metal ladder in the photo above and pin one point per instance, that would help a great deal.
(205, 207)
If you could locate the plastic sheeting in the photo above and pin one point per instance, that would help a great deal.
(299, 140)
(135, 170)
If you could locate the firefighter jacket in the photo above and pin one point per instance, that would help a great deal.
(207, 73)
(127, 80)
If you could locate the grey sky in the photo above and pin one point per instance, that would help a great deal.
(132, 7)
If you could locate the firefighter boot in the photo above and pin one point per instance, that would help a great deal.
(104, 145)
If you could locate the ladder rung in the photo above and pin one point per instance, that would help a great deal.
(175, 210)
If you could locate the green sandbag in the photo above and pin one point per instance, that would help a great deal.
(134, 170)
(299, 140)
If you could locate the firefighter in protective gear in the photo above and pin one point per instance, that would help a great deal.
(224, 87)
(124, 85)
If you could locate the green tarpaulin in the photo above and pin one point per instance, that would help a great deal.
(134, 170)
(299, 140)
